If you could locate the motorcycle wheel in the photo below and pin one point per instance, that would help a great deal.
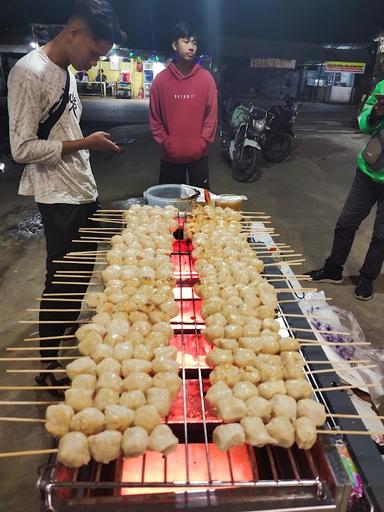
(244, 170)
(278, 148)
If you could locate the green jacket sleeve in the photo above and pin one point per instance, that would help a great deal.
(364, 118)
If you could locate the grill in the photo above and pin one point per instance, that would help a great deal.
(197, 475)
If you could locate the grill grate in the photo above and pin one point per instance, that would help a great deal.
(197, 465)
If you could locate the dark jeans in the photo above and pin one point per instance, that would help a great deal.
(364, 194)
(198, 173)
(61, 224)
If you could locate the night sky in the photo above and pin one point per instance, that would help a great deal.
(148, 22)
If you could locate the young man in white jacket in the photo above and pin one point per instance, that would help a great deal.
(44, 116)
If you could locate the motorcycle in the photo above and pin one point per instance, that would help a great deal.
(278, 143)
(253, 131)
(239, 144)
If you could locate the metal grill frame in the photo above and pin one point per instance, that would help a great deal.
(312, 493)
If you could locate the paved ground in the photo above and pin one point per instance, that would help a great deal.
(304, 196)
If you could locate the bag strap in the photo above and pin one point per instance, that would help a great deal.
(55, 112)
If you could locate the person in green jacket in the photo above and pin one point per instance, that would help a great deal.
(366, 192)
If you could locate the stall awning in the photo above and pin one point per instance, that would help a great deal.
(237, 47)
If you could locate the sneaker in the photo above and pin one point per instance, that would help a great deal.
(364, 290)
(324, 275)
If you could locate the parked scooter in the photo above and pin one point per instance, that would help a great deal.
(278, 144)
(254, 131)
(239, 144)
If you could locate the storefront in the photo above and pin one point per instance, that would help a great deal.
(332, 81)
(123, 74)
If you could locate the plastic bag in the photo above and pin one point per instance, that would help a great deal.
(334, 319)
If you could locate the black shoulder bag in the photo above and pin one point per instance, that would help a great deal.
(55, 112)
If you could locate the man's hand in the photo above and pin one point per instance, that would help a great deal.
(101, 141)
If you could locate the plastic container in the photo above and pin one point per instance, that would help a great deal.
(230, 201)
(180, 196)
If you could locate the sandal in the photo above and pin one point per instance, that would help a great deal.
(49, 379)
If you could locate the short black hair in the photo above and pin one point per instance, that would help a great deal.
(100, 20)
(183, 30)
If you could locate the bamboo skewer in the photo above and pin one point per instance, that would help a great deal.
(292, 301)
(29, 402)
(329, 361)
(87, 253)
(291, 263)
(65, 358)
(315, 342)
(16, 359)
(111, 211)
(39, 349)
(85, 257)
(107, 221)
(351, 432)
(58, 299)
(330, 370)
(283, 276)
(252, 213)
(22, 420)
(79, 310)
(320, 331)
(272, 245)
(284, 251)
(66, 272)
(281, 279)
(250, 220)
(53, 299)
(41, 338)
(53, 321)
(27, 453)
(34, 370)
(86, 242)
(32, 388)
(81, 262)
(72, 276)
(345, 388)
(75, 283)
(277, 255)
(61, 294)
(295, 290)
(95, 238)
(62, 370)
(355, 416)
(95, 230)
(100, 232)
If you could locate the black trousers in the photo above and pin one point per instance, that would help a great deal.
(364, 194)
(61, 224)
(198, 173)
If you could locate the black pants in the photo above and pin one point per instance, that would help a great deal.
(198, 173)
(364, 194)
(61, 224)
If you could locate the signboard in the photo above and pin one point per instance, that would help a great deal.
(345, 67)
(273, 63)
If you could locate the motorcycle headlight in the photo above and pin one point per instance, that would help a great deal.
(259, 124)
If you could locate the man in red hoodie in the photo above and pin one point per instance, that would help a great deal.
(183, 113)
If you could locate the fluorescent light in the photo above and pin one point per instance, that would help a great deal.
(33, 44)
(2, 167)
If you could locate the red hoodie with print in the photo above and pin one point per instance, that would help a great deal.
(183, 113)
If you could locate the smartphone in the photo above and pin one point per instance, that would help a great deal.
(124, 142)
